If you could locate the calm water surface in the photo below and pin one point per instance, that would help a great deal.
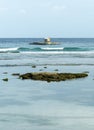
(66, 105)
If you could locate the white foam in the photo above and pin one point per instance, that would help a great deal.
(8, 49)
(48, 48)
(42, 52)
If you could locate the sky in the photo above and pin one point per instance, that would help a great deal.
(46, 18)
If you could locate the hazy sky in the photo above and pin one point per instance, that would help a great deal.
(47, 18)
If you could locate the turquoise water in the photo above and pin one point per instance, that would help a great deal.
(28, 104)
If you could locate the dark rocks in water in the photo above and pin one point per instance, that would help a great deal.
(50, 76)
(33, 66)
(6, 79)
(26, 76)
(56, 70)
(16, 74)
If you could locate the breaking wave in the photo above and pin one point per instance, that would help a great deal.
(47, 50)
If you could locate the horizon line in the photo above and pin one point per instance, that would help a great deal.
(50, 37)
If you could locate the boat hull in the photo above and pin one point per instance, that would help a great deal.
(43, 43)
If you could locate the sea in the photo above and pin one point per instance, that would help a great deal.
(39, 105)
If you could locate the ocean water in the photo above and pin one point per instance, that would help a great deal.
(38, 105)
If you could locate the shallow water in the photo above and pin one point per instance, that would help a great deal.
(39, 105)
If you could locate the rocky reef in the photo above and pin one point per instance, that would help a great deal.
(51, 76)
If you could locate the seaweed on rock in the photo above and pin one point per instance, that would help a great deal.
(51, 76)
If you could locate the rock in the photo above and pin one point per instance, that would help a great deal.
(56, 70)
(16, 74)
(51, 76)
(33, 66)
(6, 79)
